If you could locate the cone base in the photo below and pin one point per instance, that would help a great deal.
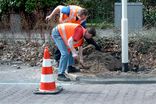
(58, 90)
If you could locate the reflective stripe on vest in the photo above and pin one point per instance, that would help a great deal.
(64, 35)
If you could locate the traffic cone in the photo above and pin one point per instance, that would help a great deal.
(47, 83)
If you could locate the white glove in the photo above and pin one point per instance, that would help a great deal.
(48, 18)
(74, 54)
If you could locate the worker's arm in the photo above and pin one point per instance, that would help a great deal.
(74, 38)
(54, 12)
(71, 46)
(83, 24)
(91, 41)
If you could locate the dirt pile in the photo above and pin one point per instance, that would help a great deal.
(142, 54)
(102, 62)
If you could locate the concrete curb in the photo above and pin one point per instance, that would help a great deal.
(117, 81)
(95, 80)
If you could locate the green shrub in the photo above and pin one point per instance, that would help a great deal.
(102, 25)
(150, 17)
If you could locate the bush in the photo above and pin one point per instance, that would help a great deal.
(102, 25)
(150, 17)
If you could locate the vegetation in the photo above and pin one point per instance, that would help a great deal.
(100, 10)
(25, 5)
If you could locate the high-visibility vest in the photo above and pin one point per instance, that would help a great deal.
(72, 16)
(67, 30)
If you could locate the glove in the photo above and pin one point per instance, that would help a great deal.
(75, 55)
(48, 18)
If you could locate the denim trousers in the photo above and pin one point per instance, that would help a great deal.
(66, 56)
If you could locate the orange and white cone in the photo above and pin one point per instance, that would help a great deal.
(47, 83)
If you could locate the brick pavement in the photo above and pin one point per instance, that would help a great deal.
(80, 94)
(17, 86)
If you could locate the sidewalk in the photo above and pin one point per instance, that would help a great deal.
(81, 94)
(17, 86)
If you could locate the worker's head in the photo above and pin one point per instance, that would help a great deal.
(90, 33)
(82, 14)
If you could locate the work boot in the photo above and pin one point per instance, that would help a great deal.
(62, 77)
(72, 69)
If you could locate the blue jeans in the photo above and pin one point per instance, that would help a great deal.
(66, 57)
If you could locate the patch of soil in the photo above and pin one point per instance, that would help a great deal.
(102, 62)
(142, 55)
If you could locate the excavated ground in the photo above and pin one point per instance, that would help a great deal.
(142, 56)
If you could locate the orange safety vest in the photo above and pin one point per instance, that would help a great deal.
(67, 30)
(72, 16)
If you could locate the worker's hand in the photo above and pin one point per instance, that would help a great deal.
(98, 48)
(76, 57)
(48, 18)
(54, 20)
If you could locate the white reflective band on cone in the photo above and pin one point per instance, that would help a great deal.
(46, 63)
(47, 78)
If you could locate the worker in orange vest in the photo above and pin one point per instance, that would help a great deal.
(71, 14)
(67, 37)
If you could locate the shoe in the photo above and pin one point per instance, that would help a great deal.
(62, 77)
(72, 69)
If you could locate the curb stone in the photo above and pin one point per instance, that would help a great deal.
(123, 80)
